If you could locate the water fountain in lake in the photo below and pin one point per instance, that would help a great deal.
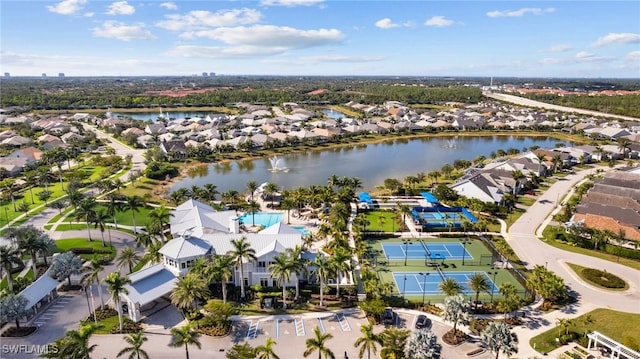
(277, 165)
(450, 144)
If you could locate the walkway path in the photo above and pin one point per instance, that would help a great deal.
(531, 250)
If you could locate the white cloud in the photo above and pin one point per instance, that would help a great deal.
(633, 55)
(202, 19)
(617, 38)
(520, 12)
(273, 36)
(439, 21)
(386, 23)
(169, 5)
(341, 58)
(559, 48)
(290, 3)
(220, 52)
(67, 7)
(550, 61)
(584, 55)
(120, 8)
(121, 31)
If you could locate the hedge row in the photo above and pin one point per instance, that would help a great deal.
(603, 279)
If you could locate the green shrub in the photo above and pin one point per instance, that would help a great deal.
(603, 279)
(160, 170)
(129, 326)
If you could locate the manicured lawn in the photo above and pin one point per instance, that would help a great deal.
(142, 187)
(526, 201)
(64, 245)
(548, 232)
(4, 283)
(578, 269)
(622, 327)
(381, 221)
(105, 325)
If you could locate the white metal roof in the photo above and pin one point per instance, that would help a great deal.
(149, 284)
(39, 289)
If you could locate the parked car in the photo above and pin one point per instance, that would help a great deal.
(423, 322)
(388, 316)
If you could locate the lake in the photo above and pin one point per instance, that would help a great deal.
(372, 163)
(153, 116)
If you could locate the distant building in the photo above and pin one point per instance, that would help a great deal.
(205, 74)
(44, 75)
(7, 74)
(61, 74)
(212, 74)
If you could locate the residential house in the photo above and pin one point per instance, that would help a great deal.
(16, 141)
(155, 128)
(174, 150)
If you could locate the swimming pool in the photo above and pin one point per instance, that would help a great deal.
(261, 218)
(302, 229)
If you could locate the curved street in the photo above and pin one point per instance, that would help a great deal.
(531, 250)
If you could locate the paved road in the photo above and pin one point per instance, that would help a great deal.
(531, 103)
(122, 150)
(532, 251)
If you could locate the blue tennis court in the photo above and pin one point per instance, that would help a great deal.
(428, 282)
(423, 250)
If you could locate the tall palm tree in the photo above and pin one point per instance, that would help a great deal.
(92, 275)
(270, 190)
(224, 271)
(135, 341)
(253, 207)
(367, 342)
(242, 251)
(210, 191)
(298, 265)
(9, 257)
(128, 257)
(323, 271)
(116, 285)
(450, 287)
(341, 262)
(252, 186)
(133, 203)
(541, 157)
(160, 219)
(185, 336)
(478, 283)
(266, 351)
(623, 146)
(100, 219)
(187, 291)
(319, 343)
(86, 211)
(281, 269)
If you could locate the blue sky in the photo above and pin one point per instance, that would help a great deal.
(321, 37)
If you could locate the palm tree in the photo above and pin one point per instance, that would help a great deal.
(367, 342)
(92, 274)
(86, 211)
(31, 240)
(100, 219)
(242, 251)
(159, 219)
(153, 254)
(116, 285)
(517, 176)
(450, 287)
(252, 186)
(298, 265)
(223, 265)
(266, 351)
(478, 283)
(75, 343)
(133, 203)
(185, 336)
(253, 207)
(270, 190)
(281, 269)
(541, 157)
(623, 146)
(187, 291)
(30, 178)
(498, 337)
(341, 262)
(135, 341)
(323, 270)
(319, 343)
(128, 257)
(209, 192)
(9, 257)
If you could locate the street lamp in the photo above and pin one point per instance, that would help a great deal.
(424, 285)
(493, 285)
(406, 244)
(464, 241)
(404, 287)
